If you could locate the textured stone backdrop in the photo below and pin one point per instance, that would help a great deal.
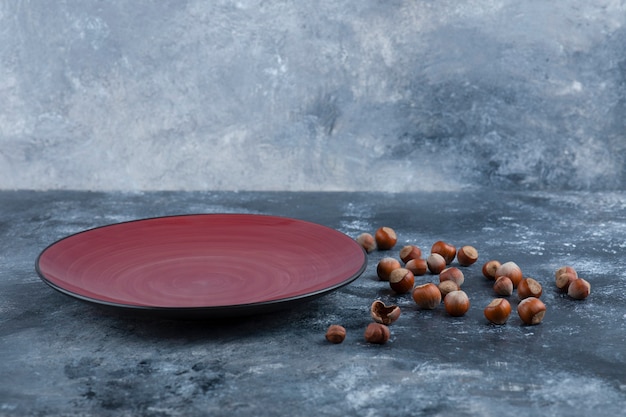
(325, 95)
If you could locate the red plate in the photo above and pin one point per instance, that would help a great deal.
(203, 264)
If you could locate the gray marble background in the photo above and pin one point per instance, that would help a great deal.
(397, 95)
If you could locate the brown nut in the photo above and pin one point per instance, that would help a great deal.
(503, 286)
(564, 277)
(427, 296)
(498, 311)
(367, 242)
(385, 238)
(401, 280)
(579, 289)
(385, 267)
(417, 266)
(409, 252)
(436, 263)
(456, 303)
(335, 333)
(377, 333)
(489, 269)
(531, 310)
(444, 249)
(452, 274)
(384, 314)
(511, 270)
(447, 286)
(467, 255)
(529, 287)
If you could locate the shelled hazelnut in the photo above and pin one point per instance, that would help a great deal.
(385, 238)
(377, 333)
(467, 255)
(335, 333)
(456, 303)
(579, 289)
(386, 266)
(436, 263)
(367, 242)
(489, 269)
(531, 310)
(427, 296)
(417, 266)
(498, 311)
(401, 280)
(446, 250)
(384, 314)
(452, 274)
(511, 270)
(409, 252)
(529, 287)
(503, 286)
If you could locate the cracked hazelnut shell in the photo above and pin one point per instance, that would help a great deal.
(384, 314)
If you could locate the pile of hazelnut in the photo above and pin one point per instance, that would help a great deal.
(400, 274)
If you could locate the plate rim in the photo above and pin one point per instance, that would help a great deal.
(233, 310)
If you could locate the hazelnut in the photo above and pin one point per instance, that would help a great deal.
(531, 310)
(377, 333)
(498, 311)
(367, 242)
(529, 287)
(427, 296)
(386, 266)
(417, 266)
(401, 280)
(564, 277)
(384, 314)
(447, 286)
(456, 303)
(436, 263)
(444, 249)
(452, 274)
(385, 238)
(467, 255)
(579, 289)
(335, 333)
(503, 286)
(409, 252)
(490, 268)
(511, 270)
(566, 269)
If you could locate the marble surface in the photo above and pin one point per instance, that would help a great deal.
(371, 95)
(63, 357)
